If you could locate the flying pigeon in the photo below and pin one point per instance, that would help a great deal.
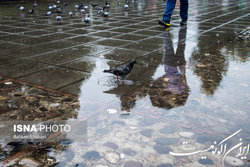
(123, 70)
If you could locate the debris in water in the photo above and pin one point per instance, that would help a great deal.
(112, 111)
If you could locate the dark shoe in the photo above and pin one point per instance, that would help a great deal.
(165, 23)
(183, 22)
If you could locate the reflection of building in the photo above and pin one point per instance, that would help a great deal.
(210, 69)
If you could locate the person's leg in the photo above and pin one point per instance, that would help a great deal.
(169, 10)
(184, 10)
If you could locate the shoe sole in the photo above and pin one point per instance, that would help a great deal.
(183, 24)
(163, 23)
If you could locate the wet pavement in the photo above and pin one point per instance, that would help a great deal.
(188, 89)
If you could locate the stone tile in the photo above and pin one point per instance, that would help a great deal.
(79, 31)
(147, 32)
(130, 37)
(111, 42)
(86, 63)
(74, 88)
(63, 56)
(106, 34)
(4, 59)
(123, 30)
(123, 54)
(82, 39)
(36, 33)
(49, 78)
(20, 68)
(142, 46)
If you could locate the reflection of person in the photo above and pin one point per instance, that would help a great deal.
(175, 64)
(169, 10)
(171, 90)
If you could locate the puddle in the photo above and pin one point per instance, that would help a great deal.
(185, 103)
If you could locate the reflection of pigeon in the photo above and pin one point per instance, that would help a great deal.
(122, 70)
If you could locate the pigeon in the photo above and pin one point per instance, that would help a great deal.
(94, 5)
(64, 4)
(87, 19)
(58, 17)
(83, 11)
(49, 13)
(58, 1)
(76, 6)
(119, 3)
(70, 13)
(21, 8)
(54, 7)
(126, 6)
(50, 7)
(35, 4)
(31, 11)
(80, 6)
(123, 70)
(86, 7)
(107, 4)
(59, 10)
(100, 11)
(106, 14)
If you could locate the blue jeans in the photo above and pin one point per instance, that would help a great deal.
(170, 8)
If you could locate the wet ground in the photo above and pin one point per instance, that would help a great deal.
(189, 88)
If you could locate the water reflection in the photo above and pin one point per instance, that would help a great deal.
(172, 89)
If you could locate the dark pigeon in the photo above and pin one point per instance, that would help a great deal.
(31, 11)
(123, 70)
(94, 5)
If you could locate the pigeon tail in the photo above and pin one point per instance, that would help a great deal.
(108, 71)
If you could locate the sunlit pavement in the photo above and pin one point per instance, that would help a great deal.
(149, 119)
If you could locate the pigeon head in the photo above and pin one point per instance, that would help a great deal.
(132, 62)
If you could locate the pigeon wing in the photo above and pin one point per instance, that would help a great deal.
(122, 70)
